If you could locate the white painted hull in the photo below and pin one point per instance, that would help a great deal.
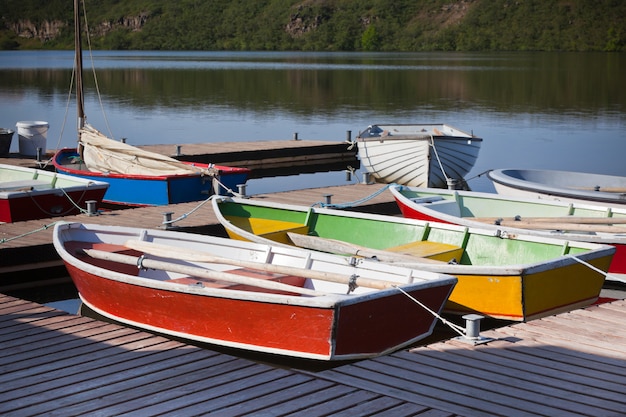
(417, 155)
(564, 186)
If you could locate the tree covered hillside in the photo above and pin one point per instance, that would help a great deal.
(321, 25)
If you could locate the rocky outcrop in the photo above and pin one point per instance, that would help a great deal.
(50, 29)
(43, 31)
(131, 23)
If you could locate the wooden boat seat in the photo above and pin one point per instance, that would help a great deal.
(427, 199)
(432, 250)
(76, 247)
(24, 185)
(252, 273)
(446, 206)
(275, 230)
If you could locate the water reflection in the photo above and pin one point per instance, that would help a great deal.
(313, 83)
(544, 110)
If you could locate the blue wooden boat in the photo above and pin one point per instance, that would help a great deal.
(155, 190)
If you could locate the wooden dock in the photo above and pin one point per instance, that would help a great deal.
(58, 364)
(264, 158)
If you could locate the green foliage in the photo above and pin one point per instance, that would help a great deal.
(330, 25)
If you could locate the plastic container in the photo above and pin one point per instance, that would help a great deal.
(32, 135)
(6, 136)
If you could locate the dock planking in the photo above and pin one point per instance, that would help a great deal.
(58, 364)
(572, 364)
(55, 363)
(264, 158)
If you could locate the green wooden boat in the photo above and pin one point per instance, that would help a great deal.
(511, 277)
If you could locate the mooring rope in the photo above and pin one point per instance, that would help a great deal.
(598, 270)
(44, 227)
(185, 215)
(460, 330)
(80, 209)
(443, 171)
(352, 203)
(190, 212)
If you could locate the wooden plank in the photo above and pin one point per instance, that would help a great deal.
(482, 390)
(245, 398)
(275, 399)
(529, 368)
(413, 386)
(90, 368)
(82, 398)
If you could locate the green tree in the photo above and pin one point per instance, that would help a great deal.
(370, 41)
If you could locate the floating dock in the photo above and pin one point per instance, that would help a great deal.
(264, 158)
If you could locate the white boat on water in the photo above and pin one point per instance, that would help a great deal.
(581, 187)
(418, 155)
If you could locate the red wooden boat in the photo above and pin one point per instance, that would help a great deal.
(31, 194)
(250, 296)
(517, 215)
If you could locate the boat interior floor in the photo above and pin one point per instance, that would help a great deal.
(78, 247)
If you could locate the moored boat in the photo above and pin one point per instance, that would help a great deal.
(31, 194)
(581, 187)
(421, 155)
(512, 277)
(249, 296)
(194, 182)
(539, 217)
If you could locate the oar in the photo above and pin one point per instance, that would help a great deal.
(200, 256)
(199, 272)
(573, 227)
(618, 190)
(556, 219)
(337, 246)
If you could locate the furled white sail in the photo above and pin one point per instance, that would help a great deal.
(102, 154)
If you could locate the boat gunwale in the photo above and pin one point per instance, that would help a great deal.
(222, 170)
(599, 238)
(76, 184)
(465, 135)
(498, 176)
(328, 300)
(592, 250)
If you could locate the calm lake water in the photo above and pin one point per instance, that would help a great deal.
(534, 110)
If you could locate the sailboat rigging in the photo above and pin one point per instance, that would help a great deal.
(136, 176)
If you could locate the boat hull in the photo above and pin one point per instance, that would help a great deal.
(511, 278)
(579, 187)
(138, 190)
(417, 155)
(31, 194)
(473, 205)
(328, 327)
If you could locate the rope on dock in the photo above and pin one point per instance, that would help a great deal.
(352, 203)
(190, 212)
(598, 270)
(185, 215)
(460, 330)
(44, 227)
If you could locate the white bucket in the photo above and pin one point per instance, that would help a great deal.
(32, 135)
